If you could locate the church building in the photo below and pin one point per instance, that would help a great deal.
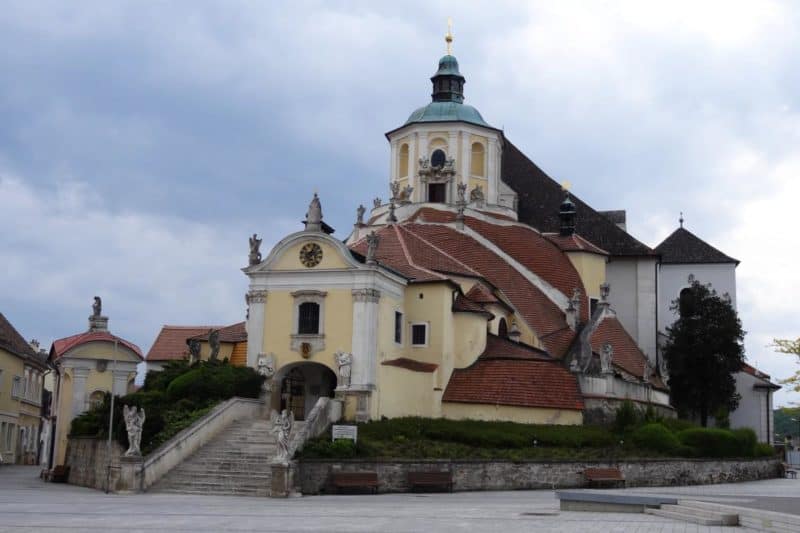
(481, 289)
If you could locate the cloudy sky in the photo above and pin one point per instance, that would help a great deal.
(142, 142)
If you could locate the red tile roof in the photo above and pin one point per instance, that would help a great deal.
(410, 364)
(12, 341)
(514, 375)
(233, 333)
(171, 342)
(61, 346)
(392, 252)
(627, 354)
(574, 243)
(482, 294)
(465, 305)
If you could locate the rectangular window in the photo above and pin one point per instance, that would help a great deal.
(592, 305)
(309, 319)
(398, 327)
(16, 388)
(419, 334)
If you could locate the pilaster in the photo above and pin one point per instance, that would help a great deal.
(365, 338)
(493, 172)
(466, 159)
(79, 376)
(257, 303)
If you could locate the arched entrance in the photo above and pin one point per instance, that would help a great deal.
(300, 385)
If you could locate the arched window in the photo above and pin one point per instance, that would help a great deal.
(438, 158)
(403, 162)
(502, 328)
(477, 162)
(308, 323)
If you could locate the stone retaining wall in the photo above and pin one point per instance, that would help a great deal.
(313, 475)
(88, 460)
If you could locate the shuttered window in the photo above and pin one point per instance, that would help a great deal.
(309, 319)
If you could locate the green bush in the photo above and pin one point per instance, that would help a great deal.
(677, 424)
(722, 418)
(763, 449)
(655, 437)
(746, 441)
(713, 442)
(626, 417)
(217, 382)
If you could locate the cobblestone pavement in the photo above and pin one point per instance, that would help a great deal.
(27, 504)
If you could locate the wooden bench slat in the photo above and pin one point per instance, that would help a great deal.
(355, 479)
(431, 479)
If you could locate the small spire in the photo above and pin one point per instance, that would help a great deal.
(448, 37)
(681, 219)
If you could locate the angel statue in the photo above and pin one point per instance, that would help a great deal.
(134, 422)
(97, 306)
(282, 427)
(255, 253)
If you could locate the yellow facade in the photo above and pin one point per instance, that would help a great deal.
(21, 384)
(592, 270)
(290, 258)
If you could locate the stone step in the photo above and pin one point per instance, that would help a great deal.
(256, 492)
(230, 480)
(232, 486)
(676, 515)
(190, 474)
(728, 518)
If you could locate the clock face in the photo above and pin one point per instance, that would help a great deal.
(311, 254)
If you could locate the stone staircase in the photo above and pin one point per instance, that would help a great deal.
(235, 462)
(696, 513)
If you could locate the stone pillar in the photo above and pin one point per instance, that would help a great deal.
(466, 159)
(413, 178)
(452, 151)
(423, 152)
(120, 385)
(365, 338)
(79, 376)
(257, 302)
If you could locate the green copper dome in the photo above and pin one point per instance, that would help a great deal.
(448, 98)
(447, 112)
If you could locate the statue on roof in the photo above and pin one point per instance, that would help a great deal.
(314, 215)
(255, 253)
(97, 306)
(606, 355)
(405, 194)
(462, 193)
(360, 210)
(376, 203)
(372, 247)
(213, 342)
(605, 289)
(476, 195)
(395, 188)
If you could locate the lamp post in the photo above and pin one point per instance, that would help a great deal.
(111, 420)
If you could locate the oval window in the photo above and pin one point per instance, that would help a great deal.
(438, 158)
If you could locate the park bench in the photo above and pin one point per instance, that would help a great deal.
(596, 477)
(354, 480)
(424, 480)
(789, 471)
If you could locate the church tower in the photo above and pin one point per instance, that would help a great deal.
(445, 144)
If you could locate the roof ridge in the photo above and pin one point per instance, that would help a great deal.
(408, 256)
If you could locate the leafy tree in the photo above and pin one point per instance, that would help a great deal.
(790, 347)
(703, 351)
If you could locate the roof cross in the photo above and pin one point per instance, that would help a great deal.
(448, 37)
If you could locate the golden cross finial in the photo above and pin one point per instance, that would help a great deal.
(448, 37)
(565, 185)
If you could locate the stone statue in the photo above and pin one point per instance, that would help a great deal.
(266, 368)
(648, 370)
(213, 343)
(314, 215)
(462, 190)
(424, 163)
(395, 188)
(345, 362)
(376, 203)
(405, 194)
(97, 306)
(134, 422)
(392, 217)
(606, 354)
(255, 253)
(476, 195)
(372, 247)
(450, 165)
(282, 427)
(360, 215)
(574, 365)
(605, 289)
(194, 350)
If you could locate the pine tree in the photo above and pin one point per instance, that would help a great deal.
(703, 351)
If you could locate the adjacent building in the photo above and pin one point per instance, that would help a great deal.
(22, 370)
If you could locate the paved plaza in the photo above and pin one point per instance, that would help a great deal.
(27, 504)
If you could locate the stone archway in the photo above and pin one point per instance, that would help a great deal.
(300, 385)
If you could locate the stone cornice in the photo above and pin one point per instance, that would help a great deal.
(366, 295)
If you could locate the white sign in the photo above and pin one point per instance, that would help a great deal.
(344, 432)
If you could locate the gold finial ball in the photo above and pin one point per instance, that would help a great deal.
(565, 185)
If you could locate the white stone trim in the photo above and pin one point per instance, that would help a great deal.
(317, 341)
(292, 280)
(399, 310)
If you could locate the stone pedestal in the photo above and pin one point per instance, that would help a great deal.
(282, 483)
(130, 474)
